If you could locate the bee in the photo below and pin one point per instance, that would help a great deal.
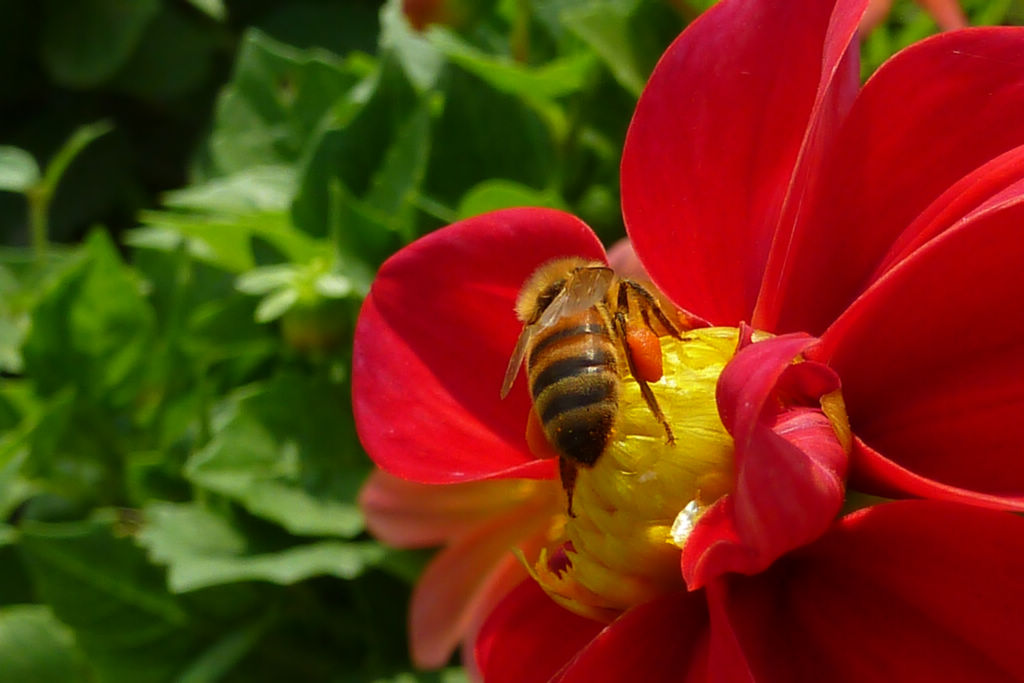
(584, 328)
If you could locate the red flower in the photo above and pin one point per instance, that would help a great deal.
(759, 185)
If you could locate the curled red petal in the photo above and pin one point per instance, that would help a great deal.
(927, 118)
(790, 465)
(750, 377)
(932, 359)
(915, 591)
(659, 642)
(433, 340)
(747, 91)
(529, 638)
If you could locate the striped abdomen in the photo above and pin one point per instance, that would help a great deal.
(575, 385)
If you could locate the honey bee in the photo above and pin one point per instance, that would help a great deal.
(581, 325)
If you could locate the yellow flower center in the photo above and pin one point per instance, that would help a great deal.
(632, 511)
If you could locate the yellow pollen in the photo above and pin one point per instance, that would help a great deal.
(634, 508)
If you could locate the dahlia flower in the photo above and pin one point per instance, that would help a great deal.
(837, 502)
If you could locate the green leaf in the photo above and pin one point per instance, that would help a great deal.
(992, 12)
(226, 343)
(221, 657)
(334, 286)
(628, 35)
(158, 238)
(397, 180)
(603, 26)
(256, 189)
(286, 451)
(36, 648)
(18, 169)
(275, 305)
(366, 200)
(66, 455)
(347, 162)
(131, 628)
(203, 549)
(213, 8)
(225, 241)
(92, 328)
(12, 334)
(557, 78)
(15, 487)
(84, 42)
(492, 195)
(266, 279)
(484, 133)
(402, 167)
(277, 98)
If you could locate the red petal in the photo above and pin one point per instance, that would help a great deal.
(457, 584)
(502, 581)
(406, 514)
(433, 340)
(932, 358)
(790, 467)
(661, 641)
(529, 638)
(436, 626)
(874, 473)
(926, 119)
(713, 147)
(986, 188)
(914, 591)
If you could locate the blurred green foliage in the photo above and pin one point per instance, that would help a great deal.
(178, 460)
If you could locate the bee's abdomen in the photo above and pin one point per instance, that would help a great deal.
(575, 383)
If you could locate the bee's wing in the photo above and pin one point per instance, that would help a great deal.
(583, 290)
(516, 360)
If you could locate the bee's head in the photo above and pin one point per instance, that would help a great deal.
(541, 288)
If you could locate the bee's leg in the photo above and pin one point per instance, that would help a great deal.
(649, 304)
(567, 473)
(621, 321)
